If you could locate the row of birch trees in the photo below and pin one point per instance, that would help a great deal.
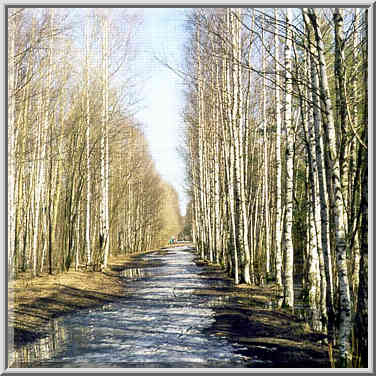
(81, 181)
(276, 144)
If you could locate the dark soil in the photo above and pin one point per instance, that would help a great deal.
(275, 335)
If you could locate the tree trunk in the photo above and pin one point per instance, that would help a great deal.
(289, 265)
(278, 222)
(11, 138)
(88, 167)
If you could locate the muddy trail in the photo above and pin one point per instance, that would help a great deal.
(177, 313)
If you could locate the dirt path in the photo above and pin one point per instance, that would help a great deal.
(265, 333)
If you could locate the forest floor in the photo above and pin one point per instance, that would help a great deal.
(266, 332)
(273, 334)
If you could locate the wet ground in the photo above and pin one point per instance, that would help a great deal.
(176, 314)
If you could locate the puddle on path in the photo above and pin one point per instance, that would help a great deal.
(134, 273)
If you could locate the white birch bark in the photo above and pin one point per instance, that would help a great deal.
(77, 237)
(278, 229)
(39, 180)
(314, 232)
(313, 273)
(44, 248)
(248, 262)
(240, 151)
(231, 112)
(88, 162)
(203, 242)
(11, 133)
(266, 170)
(11, 138)
(289, 266)
(217, 200)
(108, 241)
(104, 146)
(328, 122)
(324, 205)
(42, 141)
(356, 40)
(340, 217)
(321, 193)
(238, 146)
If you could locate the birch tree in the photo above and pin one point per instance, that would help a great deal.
(278, 227)
(289, 289)
(12, 27)
(345, 310)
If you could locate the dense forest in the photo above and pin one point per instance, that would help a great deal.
(82, 183)
(276, 150)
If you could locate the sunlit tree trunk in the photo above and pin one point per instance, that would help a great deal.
(202, 245)
(77, 238)
(266, 164)
(278, 228)
(317, 116)
(12, 137)
(43, 120)
(217, 154)
(289, 282)
(313, 282)
(248, 262)
(353, 175)
(231, 115)
(104, 235)
(344, 292)
(88, 145)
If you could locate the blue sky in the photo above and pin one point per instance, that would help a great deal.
(162, 35)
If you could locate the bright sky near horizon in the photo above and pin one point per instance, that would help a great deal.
(162, 35)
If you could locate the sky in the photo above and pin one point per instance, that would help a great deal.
(162, 35)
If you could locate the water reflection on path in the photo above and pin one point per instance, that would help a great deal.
(161, 322)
